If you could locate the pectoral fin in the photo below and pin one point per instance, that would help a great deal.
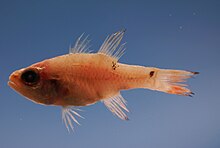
(68, 114)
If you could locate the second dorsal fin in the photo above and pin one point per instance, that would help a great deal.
(110, 45)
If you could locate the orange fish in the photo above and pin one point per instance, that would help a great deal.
(81, 78)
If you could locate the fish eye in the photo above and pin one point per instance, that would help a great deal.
(30, 77)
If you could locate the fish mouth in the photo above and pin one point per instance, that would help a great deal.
(13, 79)
(12, 84)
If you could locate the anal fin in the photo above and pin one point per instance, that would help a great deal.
(117, 105)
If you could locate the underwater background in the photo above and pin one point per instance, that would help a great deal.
(166, 34)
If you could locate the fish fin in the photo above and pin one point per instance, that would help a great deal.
(81, 45)
(111, 43)
(169, 81)
(116, 105)
(68, 118)
(175, 79)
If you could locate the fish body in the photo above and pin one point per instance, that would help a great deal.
(81, 78)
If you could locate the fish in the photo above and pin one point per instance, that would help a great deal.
(82, 78)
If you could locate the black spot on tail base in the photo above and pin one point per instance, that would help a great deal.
(151, 73)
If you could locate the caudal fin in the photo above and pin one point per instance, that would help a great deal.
(172, 81)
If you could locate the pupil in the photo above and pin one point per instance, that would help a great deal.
(30, 77)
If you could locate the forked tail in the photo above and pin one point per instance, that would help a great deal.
(169, 81)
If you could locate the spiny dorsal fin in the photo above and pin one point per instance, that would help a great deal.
(81, 45)
(111, 43)
(68, 113)
(116, 105)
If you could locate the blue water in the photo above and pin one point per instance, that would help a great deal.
(166, 34)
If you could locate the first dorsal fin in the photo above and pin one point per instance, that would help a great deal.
(111, 43)
(81, 45)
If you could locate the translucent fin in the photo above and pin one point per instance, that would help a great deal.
(111, 43)
(173, 81)
(68, 116)
(116, 105)
(81, 45)
(176, 85)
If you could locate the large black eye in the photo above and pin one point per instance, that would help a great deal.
(30, 77)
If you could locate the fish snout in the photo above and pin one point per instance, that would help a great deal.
(14, 78)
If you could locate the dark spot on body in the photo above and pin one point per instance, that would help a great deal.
(51, 88)
(55, 84)
(114, 65)
(151, 73)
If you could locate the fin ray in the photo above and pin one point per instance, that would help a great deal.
(81, 45)
(116, 105)
(111, 43)
(175, 81)
(169, 81)
(68, 117)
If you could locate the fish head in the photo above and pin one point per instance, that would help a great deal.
(35, 83)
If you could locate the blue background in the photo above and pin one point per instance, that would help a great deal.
(166, 34)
